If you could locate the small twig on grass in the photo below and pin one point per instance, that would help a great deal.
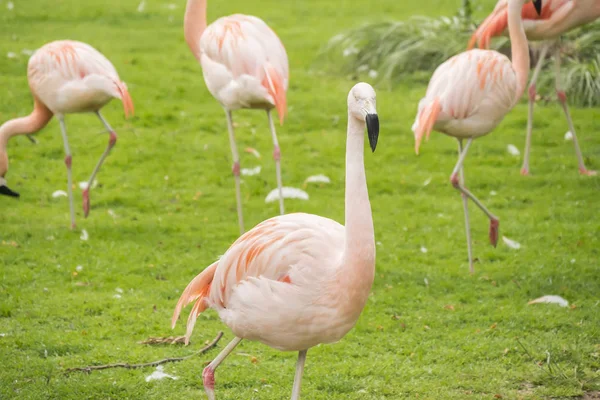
(150, 364)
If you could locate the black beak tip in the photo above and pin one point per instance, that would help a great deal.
(538, 6)
(4, 190)
(372, 130)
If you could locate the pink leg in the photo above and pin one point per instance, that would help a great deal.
(562, 98)
(208, 375)
(68, 164)
(235, 170)
(277, 158)
(455, 180)
(532, 96)
(111, 143)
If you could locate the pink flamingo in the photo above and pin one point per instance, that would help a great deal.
(66, 77)
(468, 96)
(557, 17)
(245, 66)
(297, 280)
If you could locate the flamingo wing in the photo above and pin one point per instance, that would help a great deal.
(293, 249)
(66, 71)
(467, 96)
(496, 24)
(245, 63)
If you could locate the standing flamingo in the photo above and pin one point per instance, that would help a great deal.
(66, 77)
(245, 66)
(297, 280)
(557, 17)
(469, 95)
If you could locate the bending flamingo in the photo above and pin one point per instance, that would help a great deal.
(469, 95)
(297, 280)
(245, 66)
(557, 17)
(66, 77)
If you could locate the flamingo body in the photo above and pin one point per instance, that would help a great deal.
(467, 96)
(66, 77)
(72, 77)
(245, 64)
(287, 265)
(297, 280)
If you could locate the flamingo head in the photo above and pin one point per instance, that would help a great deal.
(362, 106)
(3, 168)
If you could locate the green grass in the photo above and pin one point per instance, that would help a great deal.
(409, 343)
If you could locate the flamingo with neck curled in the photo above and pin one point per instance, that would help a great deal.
(297, 280)
(245, 66)
(66, 77)
(468, 96)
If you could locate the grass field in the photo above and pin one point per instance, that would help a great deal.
(165, 208)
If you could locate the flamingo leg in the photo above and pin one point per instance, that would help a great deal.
(298, 376)
(277, 158)
(562, 98)
(466, 208)
(236, 170)
(454, 179)
(208, 375)
(111, 143)
(532, 95)
(68, 163)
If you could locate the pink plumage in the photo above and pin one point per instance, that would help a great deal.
(557, 17)
(245, 66)
(468, 96)
(295, 281)
(67, 77)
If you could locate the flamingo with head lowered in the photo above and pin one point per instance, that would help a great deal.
(297, 280)
(469, 95)
(66, 77)
(245, 66)
(557, 17)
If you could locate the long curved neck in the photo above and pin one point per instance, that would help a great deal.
(519, 44)
(194, 24)
(35, 121)
(359, 252)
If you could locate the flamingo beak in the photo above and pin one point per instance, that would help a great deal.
(538, 6)
(372, 129)
(7, 192)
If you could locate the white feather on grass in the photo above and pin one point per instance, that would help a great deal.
(511, 243)
(318, 179)
(159, 374)
(59, 193)
(512, 149)
(251, 171)
(84, 235)
(288, 193)
(550, 299)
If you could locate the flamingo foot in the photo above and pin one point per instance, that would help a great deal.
(73, 226)
(587, 172)
(86, 202)
(525, 171)
(208, 379)
(494, 229)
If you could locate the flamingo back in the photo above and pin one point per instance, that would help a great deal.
(245, 64)
(278, 271)
(66, 73)
(467, 96)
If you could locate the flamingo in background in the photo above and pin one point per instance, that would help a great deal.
(245, 66)
(469, 95)
(557, 17)
(66, 77)
(297, 280)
